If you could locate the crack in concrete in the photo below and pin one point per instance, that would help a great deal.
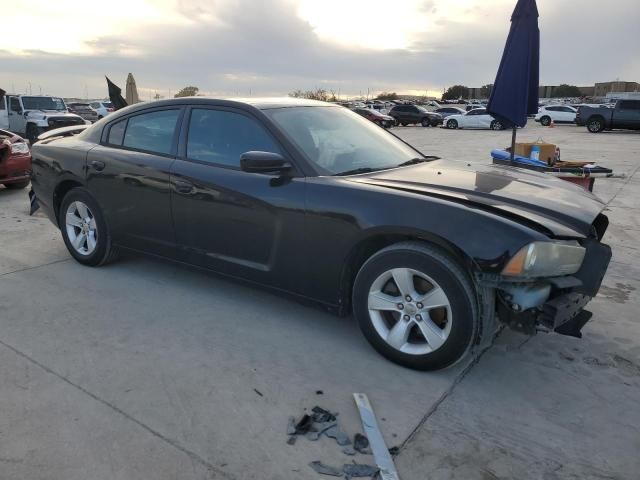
(447, 393)
(174, 443)
(35, 267)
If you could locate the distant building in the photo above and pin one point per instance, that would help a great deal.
(601, 89)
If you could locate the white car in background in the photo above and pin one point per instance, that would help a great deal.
(103, 108)
(477, 118)
(557, 113)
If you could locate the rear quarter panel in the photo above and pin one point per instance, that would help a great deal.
(55, 162)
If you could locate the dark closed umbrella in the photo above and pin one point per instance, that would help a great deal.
(115, 95)
(515, 90)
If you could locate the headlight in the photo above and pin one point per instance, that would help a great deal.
(546, 259)
(19, 148)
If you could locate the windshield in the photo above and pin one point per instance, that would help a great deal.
(43, 103)
(337, 140)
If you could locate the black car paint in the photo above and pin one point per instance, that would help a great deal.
(302, 233)
(412, 114)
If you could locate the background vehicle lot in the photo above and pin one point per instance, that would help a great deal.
(146, 369)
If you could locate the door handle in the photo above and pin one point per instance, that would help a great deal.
(97, 165)
(184, 187)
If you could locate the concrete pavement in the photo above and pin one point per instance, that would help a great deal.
(146, 369)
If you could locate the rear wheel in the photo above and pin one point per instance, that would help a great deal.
(84, 229)
(497, 125)
(545, 121)
(452, 124)
(595, 124)
(416, 306)
(425, 122)
(17, 185)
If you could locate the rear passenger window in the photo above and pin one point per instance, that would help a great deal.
(220, 137)
(152, 132)
(116, 132)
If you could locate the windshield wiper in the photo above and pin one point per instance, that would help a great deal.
(416, 160)
(356, 171)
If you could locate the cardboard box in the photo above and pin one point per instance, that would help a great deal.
(547, 150)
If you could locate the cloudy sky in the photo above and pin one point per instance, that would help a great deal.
(269, 47)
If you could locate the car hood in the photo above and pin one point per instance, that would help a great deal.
(554, 206)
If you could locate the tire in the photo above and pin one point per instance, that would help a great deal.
(17, 185)
(396, 122)
(452, 330)
(425, 122)
(435, 123)
(100, 117)
(404, 124)
(452, 124)
(595, 124)
(545, 121)
(497, 125)
(103, 251)
(32, 133)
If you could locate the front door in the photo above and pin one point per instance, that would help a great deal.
(243, 224)
(17, 122)
(4, 112)
(128, 174)
(627, 114)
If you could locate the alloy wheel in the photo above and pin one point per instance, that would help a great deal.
(81, 228)
(410, 311)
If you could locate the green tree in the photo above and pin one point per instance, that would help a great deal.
(456, 92)
(565, 90)
(387, 96)
(317, 94)
(190, 91)
(485, 90)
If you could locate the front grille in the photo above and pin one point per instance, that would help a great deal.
(64, 122)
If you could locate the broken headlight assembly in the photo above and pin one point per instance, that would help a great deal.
(546, 259)
(20, 148)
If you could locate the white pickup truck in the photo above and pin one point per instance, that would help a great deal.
(30, 115)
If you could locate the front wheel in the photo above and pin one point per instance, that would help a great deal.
(416, 306)
(32, 133)
(452, 124)
(497, 125)
(545, 121)
(84, 229)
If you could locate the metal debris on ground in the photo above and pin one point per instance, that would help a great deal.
(380, 452)
(349, 470)
(361, 444)
(349, 450)
(304, 425)
(323, 469)
(354, 470)
(341, 437)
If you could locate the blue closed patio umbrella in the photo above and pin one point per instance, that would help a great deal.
(515, 90)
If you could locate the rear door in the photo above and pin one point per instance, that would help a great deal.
(248, 225)
(128, 173)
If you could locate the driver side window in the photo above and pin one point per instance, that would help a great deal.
(15, 105)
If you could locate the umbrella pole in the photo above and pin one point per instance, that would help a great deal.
(513, 145)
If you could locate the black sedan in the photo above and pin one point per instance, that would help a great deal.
(312, 199)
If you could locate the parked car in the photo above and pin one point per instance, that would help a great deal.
(310, 198)
(446, 111)
(477, 118)
(84, 110)
(473, 106)
(30, 115)
(376, 117)
(15, 160)
(413, 115)
(557, 113)
(625, 115)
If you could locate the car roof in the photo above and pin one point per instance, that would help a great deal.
(261, 103)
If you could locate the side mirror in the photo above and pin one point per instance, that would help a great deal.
(263, 162)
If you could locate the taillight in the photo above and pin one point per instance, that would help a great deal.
(110, 109)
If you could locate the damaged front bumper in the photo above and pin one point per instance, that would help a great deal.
(552, 304)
